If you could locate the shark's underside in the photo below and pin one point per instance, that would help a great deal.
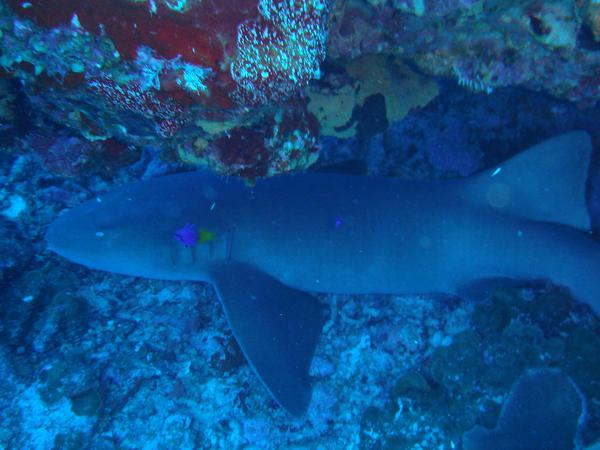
(272, 243)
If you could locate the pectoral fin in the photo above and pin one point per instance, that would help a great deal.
(277, 328)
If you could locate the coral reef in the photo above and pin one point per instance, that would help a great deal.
(159, 72)
(64, 156)
(149, 73)
(283, 142)
(132, 97)
(465, 377)
(483, 45)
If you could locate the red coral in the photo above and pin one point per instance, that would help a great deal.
(201, 35)
(286, 141)
(243, 152)
(256, 58)
(166, 113)
(114, 149)
(204, 35)
(65, 156)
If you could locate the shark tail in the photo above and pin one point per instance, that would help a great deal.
(546, 185)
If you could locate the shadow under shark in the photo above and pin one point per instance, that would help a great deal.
(289, 235)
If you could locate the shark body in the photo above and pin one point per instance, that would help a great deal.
(291, 235)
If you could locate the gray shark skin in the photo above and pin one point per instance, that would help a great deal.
(294, 234)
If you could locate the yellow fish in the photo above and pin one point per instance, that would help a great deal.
(205, 236)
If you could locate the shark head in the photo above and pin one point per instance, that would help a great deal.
(77, 235)
(106, 235)
(137, 232)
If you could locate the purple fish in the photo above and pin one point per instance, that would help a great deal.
(338, 221)
(188, 235)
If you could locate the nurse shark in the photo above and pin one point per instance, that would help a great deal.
(267, 247)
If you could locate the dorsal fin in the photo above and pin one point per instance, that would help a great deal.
(545, 183)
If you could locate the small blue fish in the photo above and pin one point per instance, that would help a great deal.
(188, 235)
